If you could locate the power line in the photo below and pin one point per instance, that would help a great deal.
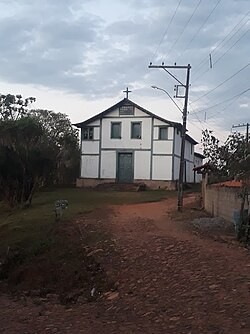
(187, 23)
(238, 40)
(229, 99)
(203, 62)
(167, 29)
(199, 121)
(219, 135)
(196, 115)
(222, 83)
(213, 116)
(201, 26)
(231, 47)
(206, 126)
(221, 42)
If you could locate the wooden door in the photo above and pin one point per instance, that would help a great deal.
(125, 168)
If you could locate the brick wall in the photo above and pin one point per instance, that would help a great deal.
(220, 201)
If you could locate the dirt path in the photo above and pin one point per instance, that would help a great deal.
(166, 280)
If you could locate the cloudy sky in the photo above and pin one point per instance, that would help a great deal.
(77, 56)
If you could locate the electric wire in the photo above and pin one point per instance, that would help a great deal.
(201, 26)
(203, 62)
(231, 47)
(222, 83)
(213, 116)
(206, 126)
(185, 26)
(229, 99)
(167, 29)
(238, 40)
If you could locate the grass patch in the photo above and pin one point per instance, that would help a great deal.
(28, 228)
(32, 239)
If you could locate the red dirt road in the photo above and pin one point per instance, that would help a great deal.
(167, 280)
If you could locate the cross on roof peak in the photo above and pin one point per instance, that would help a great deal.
(127, 91)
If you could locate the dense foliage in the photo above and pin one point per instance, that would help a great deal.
(37, 147)
(230, 160)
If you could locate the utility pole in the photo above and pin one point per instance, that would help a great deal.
(183, 140)
(242, 126)
(184, 122)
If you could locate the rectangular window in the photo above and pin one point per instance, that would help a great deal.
(163, 133)
(136, 130)
(126, 110)
(88, 133)
(116, 130)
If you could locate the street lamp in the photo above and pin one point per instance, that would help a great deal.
(155, 87)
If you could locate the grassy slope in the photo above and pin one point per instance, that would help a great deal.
(32, 236)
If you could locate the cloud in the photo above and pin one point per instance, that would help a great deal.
(97, 48)
(244, 105)
(41, 51)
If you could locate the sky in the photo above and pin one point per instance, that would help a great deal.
(77, 57)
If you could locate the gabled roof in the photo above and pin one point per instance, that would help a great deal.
(126, 101)
(199, 155)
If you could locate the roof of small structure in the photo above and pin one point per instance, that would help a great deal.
(126, 101)
(199, 155)
(203, 168)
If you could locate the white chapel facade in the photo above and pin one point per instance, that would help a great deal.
(128, 144)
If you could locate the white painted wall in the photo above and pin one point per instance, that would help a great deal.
(189, 154)
(162, 163)
(162, 147)
(198, 162)
(113, 113)
(156, 132)
(159, 122)
(198, 177)
(170, 133)
(126, 142)
(90, 147)
(108, 164)
(142, 165)
(139, 113)
(189, 172)
(176, 168)
(97, 133)
(89, 166)
(162, 167)
(177, 149)
(95, 123)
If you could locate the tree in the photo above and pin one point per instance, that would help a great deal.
(25, 160)
(37, 147)
(14, 106)
(61, 135)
